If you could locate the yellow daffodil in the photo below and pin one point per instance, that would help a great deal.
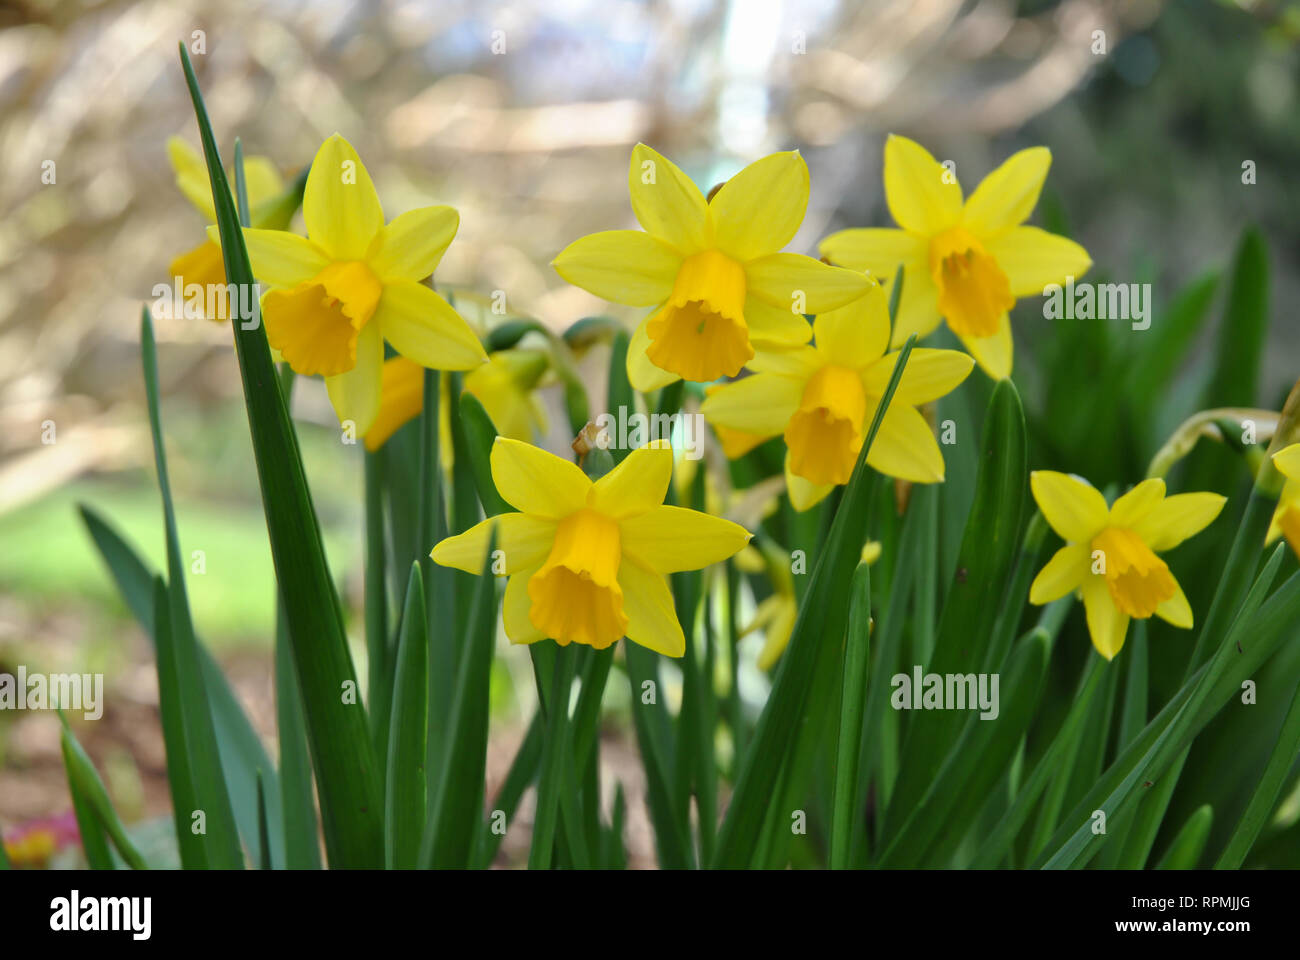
(1110, 552)
(822, 397)
(354, 282)
(965, 262)
(712, 270)
(505, 385)
(1286, 519)
(203, 265)
(587, 561)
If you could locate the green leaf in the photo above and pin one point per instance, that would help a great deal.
(998, 842)
(405, 801)
(522, 772)
(297, 821)
(459, 805)
(480, 434)
(193, 747)
(988, 549)
(821, 622)
(553, 751)
(848, 802)
(240, 747)
(94, 811)
(264, 833)
(981, 754)
(1185, 849)
(347, 772)
(1235, 382)
(508, 334)
(379, 675)
(1263, 800)
(1262, 623)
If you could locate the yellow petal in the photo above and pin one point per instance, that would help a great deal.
(648, 604)
(202, 265)
(624, 266)
(760, 404)
(857, 334)
(642, 372)
(401, 398)
(1130, 509)
(799, 361)
(515, 607)
(1106, 624)
(411, 247)
(929, 375)
(993, 354)
(1063, 573)
(534, 481)
(637, 484)
(801, 284)
(758, 211)
(779, 625)
(523, 539)
(918, 305)
(1033, 259)
(1176, 610)
(804, 494)
(666, 203)
(281, 259)
(423, 326)
(878, 250)
(774, 327)
(262, 181)
(1176, 518)
(1072, 507)
(1287, 461)
(916, 188)
(1007, 196)
(191, 176)
(668, 539)
(340, 205)
(356, 394)
(905, 447)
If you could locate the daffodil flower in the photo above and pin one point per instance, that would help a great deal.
(587, 561)
(203, 264)
(1110, 552)
(354, 282)
(712, 270)
(1286, 518)
(505, 385)
(965, 262)
(822, 397)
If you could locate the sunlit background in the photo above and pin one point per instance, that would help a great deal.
(522, 116)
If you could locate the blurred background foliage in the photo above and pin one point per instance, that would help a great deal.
(522, 116)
